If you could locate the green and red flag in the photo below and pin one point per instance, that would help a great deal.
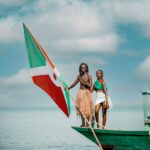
(42, 71)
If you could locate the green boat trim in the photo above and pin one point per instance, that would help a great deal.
(116, 132)
(118, 139)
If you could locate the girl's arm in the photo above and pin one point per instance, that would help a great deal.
(74, 83)
(106, 94)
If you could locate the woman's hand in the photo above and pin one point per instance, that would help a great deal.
(85, 83)
(92, 88)
(67, 89)
(81, 81)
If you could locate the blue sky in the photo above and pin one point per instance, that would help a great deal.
(111, 35)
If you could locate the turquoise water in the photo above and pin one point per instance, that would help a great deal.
(49, 129)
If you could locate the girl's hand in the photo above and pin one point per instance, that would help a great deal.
(107, 104)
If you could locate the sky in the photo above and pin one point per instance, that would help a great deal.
(112, 35)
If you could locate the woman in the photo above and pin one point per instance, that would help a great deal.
(102, 100)
(84, 98)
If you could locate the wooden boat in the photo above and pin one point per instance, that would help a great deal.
(121, 139)
(118, 139)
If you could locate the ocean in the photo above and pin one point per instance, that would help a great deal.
(49, 129)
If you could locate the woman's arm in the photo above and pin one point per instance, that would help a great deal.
(106, 94)
(74, 83)
(92, 88)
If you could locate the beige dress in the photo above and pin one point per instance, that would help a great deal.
(84, 100)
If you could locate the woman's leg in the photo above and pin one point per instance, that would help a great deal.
(104, 113)
(87, 124)
(97, 108)
(83, 121)
(89, 120)
(91, 115)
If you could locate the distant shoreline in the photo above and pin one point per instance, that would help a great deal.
(46, 108)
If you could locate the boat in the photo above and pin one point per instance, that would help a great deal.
(122, 139)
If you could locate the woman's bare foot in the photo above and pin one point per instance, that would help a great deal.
(87, 125)
(82, 125)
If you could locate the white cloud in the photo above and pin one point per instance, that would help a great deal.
(74, 27)
(65, 26)
(143, 70)
(21, 78)
(129, 12)
(58, 21)
(105, 43)
(10, 30)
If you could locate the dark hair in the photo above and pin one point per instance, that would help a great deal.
(87, 68)
(100, 71)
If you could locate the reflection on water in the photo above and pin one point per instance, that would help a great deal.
(49, 129)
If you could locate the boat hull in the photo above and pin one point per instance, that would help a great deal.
(118, 139)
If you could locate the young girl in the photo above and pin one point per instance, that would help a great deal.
(102, 98)
(84, 96)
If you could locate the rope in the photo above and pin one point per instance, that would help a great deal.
(101, 125)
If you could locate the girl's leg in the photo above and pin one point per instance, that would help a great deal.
(104, 113)
(97, 108)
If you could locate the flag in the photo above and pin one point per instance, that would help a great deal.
(42, 71)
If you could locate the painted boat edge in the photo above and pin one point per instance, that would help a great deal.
(114, 132)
